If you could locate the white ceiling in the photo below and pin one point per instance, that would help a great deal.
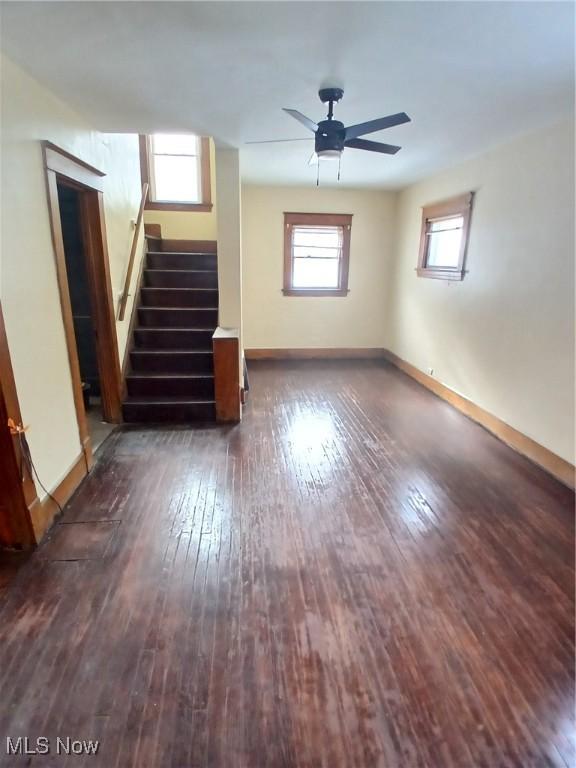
(469, 74)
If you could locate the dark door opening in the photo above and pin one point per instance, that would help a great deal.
(82, 311)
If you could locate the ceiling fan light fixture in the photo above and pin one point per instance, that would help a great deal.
(329, 154)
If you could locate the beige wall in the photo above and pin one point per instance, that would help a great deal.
(177, 225)
(504, 337)
(272, 320)
(28, 288)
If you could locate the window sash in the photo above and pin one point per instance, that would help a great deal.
(152, 171)
(300, 232)
(444, 238)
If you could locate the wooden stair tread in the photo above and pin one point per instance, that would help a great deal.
(170, 329)
(181, 309)
(169, 288)
(166, 400)
(168, 375)
(180, 253)
(171, 351)
(178, 269)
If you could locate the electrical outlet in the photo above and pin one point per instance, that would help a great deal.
(431, 371)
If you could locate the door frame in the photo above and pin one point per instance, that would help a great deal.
(16, 528)
(63, 168)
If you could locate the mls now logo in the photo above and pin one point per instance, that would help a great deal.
(43, 746)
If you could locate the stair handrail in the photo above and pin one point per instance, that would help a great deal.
(135, 238)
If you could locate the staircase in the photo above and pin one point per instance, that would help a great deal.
(171, 374)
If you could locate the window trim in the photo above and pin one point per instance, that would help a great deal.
(455, 206)
(205, 180)
(291, 220)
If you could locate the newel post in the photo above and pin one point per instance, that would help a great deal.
(226, 348)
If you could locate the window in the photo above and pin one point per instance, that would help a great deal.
(316, 254)
(444, 238)
(177, 168)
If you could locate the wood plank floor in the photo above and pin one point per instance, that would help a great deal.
(356, 576)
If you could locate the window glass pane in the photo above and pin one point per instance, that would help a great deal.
(176, 179)
(301, 251)
(315, 273)
(175, 143)
(317, 237)
(454, 222)
(444, 248)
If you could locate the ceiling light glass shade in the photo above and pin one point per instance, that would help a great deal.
(329, 154)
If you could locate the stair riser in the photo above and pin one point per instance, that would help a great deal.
(143, 362)
(173, 297)
(181, 261)
(172, 339)
(178, 318)
(173, 413)
(174, 279)
(170, 387)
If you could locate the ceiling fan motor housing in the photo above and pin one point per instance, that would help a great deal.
(330, 135)
(330, 94)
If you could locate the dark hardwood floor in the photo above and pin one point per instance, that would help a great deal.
(356, 576)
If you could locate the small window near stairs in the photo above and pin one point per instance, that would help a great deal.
(177, 168)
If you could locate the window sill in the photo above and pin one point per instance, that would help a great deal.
(198, 207)
(441, 274)
(315, 292)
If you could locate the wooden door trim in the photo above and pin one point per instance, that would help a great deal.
(19, 524)
(61, 166)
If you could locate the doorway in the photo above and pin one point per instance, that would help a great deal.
(82, 313)
(76, 208)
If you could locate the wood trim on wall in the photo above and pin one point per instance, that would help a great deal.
(315, 353)
(549, 461)
(343, 220)
(63, 163)
(44, 512)
(18, 491)
(461, 205)
(87, 180)
(66, 307)
(205, 176)
(10, 394)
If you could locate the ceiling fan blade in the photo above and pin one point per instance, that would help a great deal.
(277, 141)
(372, 146)
(313, 159)
(353, 131)
(310, 124)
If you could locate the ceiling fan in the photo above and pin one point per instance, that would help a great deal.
(331, 136)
